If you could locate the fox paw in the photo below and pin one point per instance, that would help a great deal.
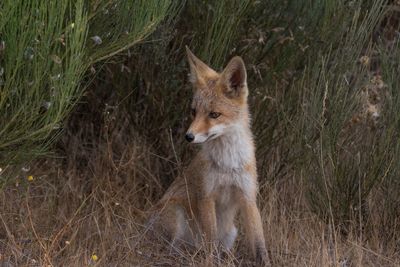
(262, 258)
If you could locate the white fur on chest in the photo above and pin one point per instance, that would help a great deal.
(229, 155)
(232, 151)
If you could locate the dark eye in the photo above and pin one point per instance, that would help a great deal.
(214, 115)
(193, 112)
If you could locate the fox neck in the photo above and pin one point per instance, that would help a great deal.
(234, 149)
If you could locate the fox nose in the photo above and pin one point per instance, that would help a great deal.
(189, 137)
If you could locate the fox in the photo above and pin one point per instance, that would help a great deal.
(221, 180)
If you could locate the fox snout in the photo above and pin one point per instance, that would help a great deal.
(189, 137)
(196, 138)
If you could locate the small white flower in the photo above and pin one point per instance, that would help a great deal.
(46, 104)
(25, 169)
(56, 77)
(29, 53)
(96, 39)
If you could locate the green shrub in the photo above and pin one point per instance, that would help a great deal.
(348, 143)
(47, 47)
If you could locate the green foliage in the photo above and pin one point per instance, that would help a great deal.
(346, 158)
(122, 24)
(389, 206)
(214, 36)
(42, 63)
(47, 46)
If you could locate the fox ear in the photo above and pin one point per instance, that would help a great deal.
(234, 78)
(199, 70)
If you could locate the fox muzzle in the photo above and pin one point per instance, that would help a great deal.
(189, 137)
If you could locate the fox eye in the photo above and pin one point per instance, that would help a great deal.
(214, 115)
(193, 112)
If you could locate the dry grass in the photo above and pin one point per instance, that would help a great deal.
(94, 202)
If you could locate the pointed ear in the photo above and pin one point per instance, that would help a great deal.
(199, 70)
(234, 78)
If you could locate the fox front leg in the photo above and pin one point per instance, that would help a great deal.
(254, 231)
(208, 220)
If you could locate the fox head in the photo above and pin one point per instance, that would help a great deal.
(220, 99)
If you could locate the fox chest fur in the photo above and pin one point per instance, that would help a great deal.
(230, 164)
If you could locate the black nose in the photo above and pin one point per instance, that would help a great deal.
(189, 137)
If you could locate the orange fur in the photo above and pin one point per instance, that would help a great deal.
(202, 203)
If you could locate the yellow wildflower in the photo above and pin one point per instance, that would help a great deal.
(95, 257)
(30, 178)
